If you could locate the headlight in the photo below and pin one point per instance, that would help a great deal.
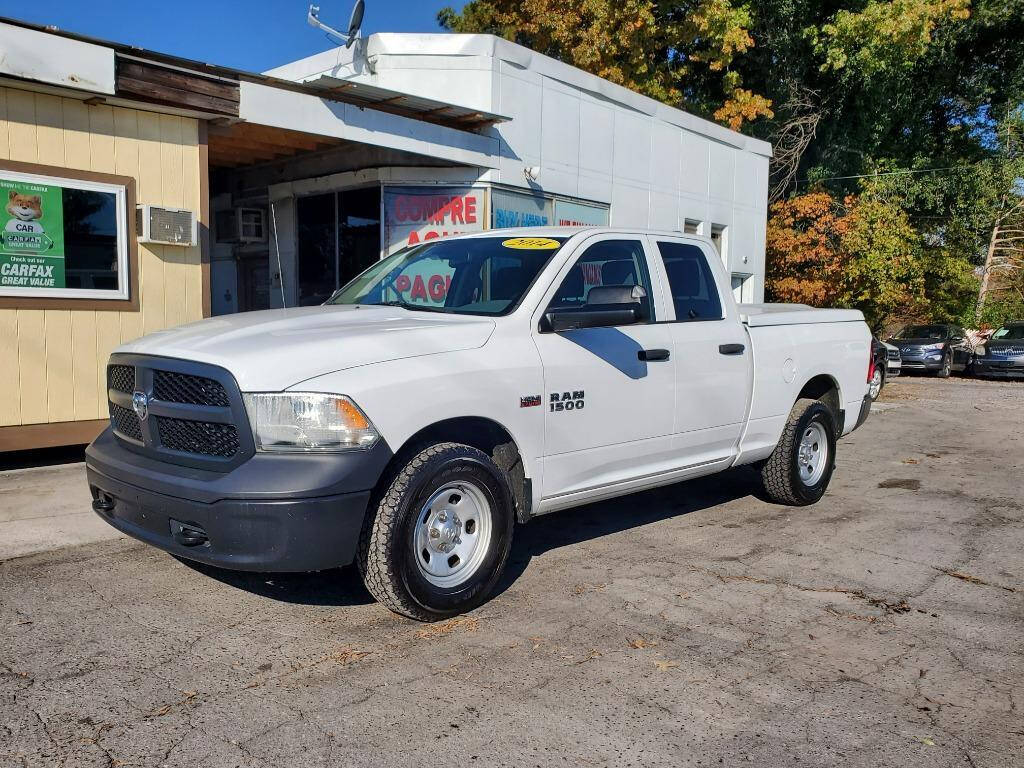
(981, 351)
(931, 347)
(307, 421)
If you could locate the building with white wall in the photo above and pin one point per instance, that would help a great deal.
(570, 147)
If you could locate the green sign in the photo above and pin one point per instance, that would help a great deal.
(32, 237)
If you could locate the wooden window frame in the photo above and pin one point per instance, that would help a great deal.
(131, 304)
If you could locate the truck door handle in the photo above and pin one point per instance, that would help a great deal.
(653, 355)
(730, 349)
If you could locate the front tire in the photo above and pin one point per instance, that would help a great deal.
(439, 533)
(800, 468)
(947, 367)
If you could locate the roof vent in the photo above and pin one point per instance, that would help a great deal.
(167, 226)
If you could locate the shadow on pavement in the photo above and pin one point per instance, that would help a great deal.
(343, 586)
(572, 526)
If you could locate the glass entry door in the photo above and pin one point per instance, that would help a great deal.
(338, 237)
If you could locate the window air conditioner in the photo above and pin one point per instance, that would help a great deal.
(166, 226)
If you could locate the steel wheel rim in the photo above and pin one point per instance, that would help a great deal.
(452, 535)
(876, 384)
(947, 365)
(812, 454)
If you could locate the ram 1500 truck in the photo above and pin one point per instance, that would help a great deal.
(462, 386)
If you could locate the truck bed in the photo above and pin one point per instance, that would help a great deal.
(757, 315)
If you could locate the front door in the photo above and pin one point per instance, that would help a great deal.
(608, 413)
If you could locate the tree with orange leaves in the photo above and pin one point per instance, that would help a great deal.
(860, 252)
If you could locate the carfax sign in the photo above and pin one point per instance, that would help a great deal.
(32, 237)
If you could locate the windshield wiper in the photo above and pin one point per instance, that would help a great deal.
(411, 307)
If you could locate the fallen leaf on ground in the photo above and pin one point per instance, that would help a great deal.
(349, 655)
(465, 623)
(664, 666)
(641, 643)
(926, 740)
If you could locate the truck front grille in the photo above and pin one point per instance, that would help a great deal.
(184, 388)
(202, 437)
(121, 377)
(126, 422)
(178, 411)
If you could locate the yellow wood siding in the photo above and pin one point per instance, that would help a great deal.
(52, 362)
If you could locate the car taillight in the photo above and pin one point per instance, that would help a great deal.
(871, 363)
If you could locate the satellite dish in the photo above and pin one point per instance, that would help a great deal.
(355, 21)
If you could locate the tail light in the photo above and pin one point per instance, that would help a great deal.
(871, 363)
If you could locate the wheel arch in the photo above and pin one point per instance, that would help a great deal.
(825, 388)
(484, 434)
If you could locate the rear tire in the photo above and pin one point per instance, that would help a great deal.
(876, 384)
(438, 534)
(800, 468)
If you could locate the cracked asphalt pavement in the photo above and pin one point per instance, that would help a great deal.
(695, 625)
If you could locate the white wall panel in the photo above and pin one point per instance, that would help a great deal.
(632, 150)
(666, 157)
(722, 171)
(664, 213)
(560, 130)
(696, 156)
(597, 137)
(630, 205)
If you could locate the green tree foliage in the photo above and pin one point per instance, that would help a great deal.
(844, 90)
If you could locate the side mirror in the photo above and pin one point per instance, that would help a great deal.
(558, 320)
(606, 306)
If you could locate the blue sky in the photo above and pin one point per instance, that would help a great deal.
(254, 35)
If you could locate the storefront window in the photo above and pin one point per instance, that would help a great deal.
(338, 237)
(62, 238)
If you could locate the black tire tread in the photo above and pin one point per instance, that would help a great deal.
(378, 558)
(776, 474)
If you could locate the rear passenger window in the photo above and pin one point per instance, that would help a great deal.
(691, 283)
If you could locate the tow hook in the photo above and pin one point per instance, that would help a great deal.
(189, 535)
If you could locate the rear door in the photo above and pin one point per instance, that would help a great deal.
(608, 413)
(710, 351)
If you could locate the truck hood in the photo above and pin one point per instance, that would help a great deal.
(275, 349)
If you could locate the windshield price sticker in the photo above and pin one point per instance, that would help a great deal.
(531, 243)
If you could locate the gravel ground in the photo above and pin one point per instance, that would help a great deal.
(696, 625)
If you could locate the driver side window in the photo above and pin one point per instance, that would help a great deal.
(606, 263)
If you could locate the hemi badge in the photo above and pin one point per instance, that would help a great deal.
(529, 401)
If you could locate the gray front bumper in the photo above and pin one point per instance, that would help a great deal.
(287, 512)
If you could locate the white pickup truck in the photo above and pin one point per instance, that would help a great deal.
(462, 386)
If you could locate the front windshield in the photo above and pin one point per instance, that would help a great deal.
(472, 275)
(923, 332)
(1010, 333)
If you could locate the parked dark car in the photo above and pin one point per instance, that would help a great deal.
(938, 349)
(1002, 355)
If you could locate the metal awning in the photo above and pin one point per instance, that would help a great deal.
(386, 100)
